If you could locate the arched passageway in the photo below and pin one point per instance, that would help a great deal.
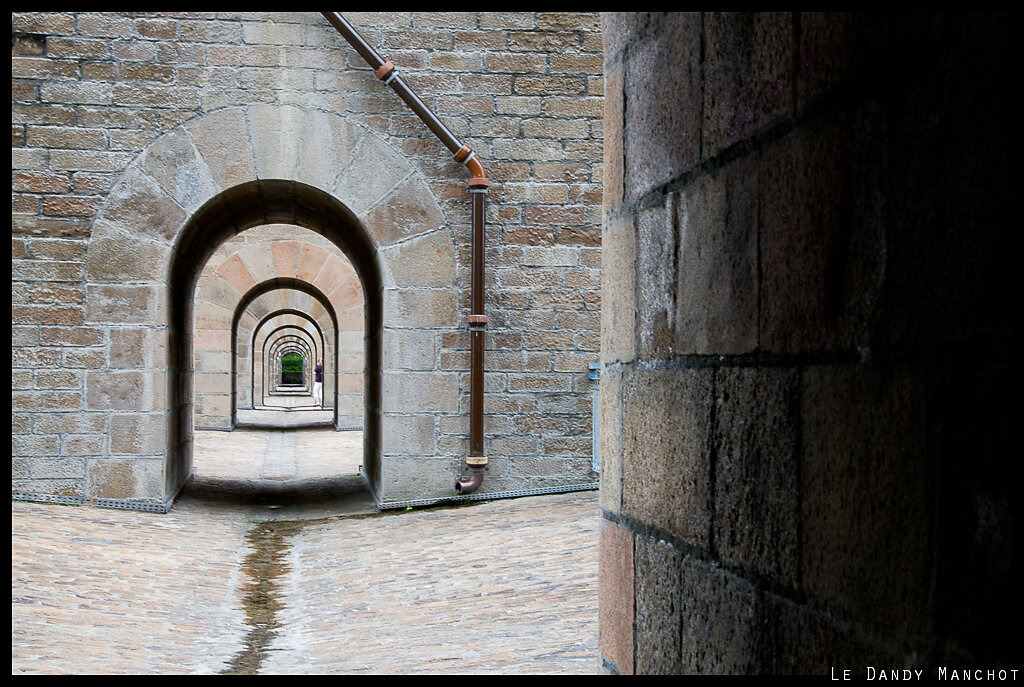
(233, 211)
(186, 197)
(250, 354)
(279, 343)
(264, 254)
(254, 361)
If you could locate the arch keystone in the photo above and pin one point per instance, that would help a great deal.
(223, 140)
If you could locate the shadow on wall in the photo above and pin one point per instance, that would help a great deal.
(807, 297)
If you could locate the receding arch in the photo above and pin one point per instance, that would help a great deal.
(236, 209)
(302, 307)
(270, 338)
(285, 334)
(268, 286)
(288, 345)
(275, 349)
(270, 317)
(256, 255)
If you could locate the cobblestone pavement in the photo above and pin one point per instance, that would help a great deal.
(275, 561)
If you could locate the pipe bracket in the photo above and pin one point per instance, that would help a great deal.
(476, 461)
(463, 154)
(385, 69)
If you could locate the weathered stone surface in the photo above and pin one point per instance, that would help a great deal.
(139, 206)
(372, 160)
(115, 255)
(235, 271)
(134, 434)
(327, 143)
(611, 437)
(656, 280)
(618, 316)
(406, 392)
(720, 618)
(756, 470)
(659, 605)
(114, 390)
(422, 261)
(124, 304)
(409, 349)
(556, 256)
(613, 138)
(126, 479)
(409, 210)
(285, 253)
(63, 423)
(853, 191)
(347, 301)
(409, 477)
(667, 63)
(666, 427)
(863, 470)
(419, 308)
(311, 261)
(137, 348)
(63, 468)
(67, 336)
(748, 75)
(823, 235)
(615, 608)
(174, 163)
(717, 292)
(275, 135)
(34, 445)
(223, 141)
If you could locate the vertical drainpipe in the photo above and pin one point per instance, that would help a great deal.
(594, 375)
(478, 185)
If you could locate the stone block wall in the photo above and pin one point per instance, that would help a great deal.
(125, 124)
(807, 378)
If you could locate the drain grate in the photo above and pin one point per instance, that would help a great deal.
(488, 496)
(120, 504)
(49, 498)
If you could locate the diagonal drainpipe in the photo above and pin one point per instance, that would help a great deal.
(478, 184)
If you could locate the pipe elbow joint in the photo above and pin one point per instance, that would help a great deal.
(479, 176)
(477, 465)
(468, 486)
(466, 156)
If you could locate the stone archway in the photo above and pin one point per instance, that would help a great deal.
(271, 294)
(261, 255)
(252, 360)
(276, 308)
(275, 373)
(234, 169)
(272, 343)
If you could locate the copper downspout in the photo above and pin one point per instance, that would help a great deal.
(478, 184)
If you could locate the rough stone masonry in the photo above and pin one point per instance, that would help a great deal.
(142, 140)
(808, 460)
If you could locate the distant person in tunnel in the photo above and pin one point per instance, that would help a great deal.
(318, 383)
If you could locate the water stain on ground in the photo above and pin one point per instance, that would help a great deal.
(265, 568)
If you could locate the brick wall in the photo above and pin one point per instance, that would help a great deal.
(806, 456)
(103, 104)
